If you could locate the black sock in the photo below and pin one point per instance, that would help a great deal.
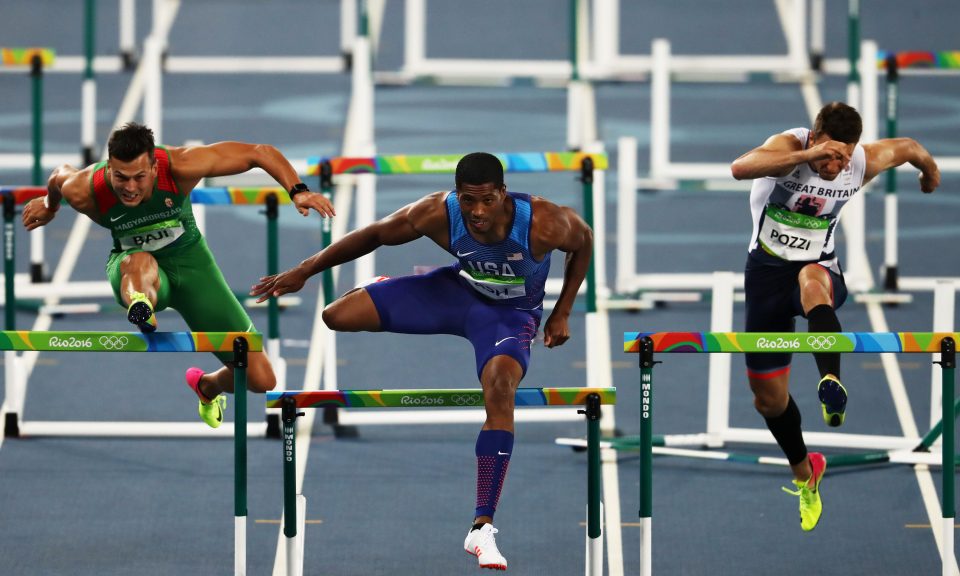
(477, 526)
(823, 318)
(786, 429)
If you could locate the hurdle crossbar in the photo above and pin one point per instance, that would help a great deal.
(649, 343)
(240, 343)
(291, 401)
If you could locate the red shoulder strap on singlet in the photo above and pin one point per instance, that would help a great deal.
(165, 179)
(101, 191)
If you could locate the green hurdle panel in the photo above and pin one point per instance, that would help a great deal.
(74, 341)
(447, 163)
(451, 398)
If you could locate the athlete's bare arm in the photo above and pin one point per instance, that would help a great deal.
(561, 228)
(425, 217)
(892, 152)
(781, 153)
(194, 163)
(65, 182)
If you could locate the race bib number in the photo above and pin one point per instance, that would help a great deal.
(793, 236)
(151, 240)
(496, 287)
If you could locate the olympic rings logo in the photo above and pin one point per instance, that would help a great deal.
(466, 400)
(821, 342)
(114, 342)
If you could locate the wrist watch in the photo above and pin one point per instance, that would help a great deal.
(298, 188)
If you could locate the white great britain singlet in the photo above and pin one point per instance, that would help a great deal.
(794, 217)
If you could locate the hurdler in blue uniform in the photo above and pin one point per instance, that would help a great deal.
(492, 295)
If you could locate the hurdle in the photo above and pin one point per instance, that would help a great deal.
(294, 502)
(896, 65)
(240, 343)
(270, 197)
(647, 344)
(718, 431)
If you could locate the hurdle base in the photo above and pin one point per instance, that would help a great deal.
(11, 427)
(341, 431)
(891, 277)
(38, 273)
(273, 426)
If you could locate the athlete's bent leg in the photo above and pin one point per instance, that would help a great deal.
(260, 377)
(816, 297)
(500, 378)
(139, 272)
(352, 312)
(771, 398)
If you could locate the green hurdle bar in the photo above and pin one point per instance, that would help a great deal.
(240, 343)
(649, 343)
(294, 505)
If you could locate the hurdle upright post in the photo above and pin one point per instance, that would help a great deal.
(36, 79)
(948, 365)
(273, 306)
(890, 196)
(594, 505)
(646, 456)
(331, 416)
(294, 505)
(240, 349)
(88, 124)
(14, 387)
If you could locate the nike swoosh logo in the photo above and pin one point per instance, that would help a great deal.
(499, 453)
(219, 413)
(499, 342)
(118, 217)
(459, 255)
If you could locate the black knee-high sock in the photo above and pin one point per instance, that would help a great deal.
(786, 429)
(823, 318)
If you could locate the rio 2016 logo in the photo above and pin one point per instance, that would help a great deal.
(71, 342)
(421, 401)
(778, 343)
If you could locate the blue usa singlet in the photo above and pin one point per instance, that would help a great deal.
(505, 271)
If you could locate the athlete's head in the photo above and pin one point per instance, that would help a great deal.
(480, 190)
(131, 164)
(841, 123)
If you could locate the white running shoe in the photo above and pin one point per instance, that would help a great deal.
(480, 543)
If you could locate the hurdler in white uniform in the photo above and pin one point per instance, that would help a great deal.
(794, 217)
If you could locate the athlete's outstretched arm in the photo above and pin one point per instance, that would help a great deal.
(780, 153)
(64, 182)
(566, 231)
(892, 152)
(421, 218)
(192, 164)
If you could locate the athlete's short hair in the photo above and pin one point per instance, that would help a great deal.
(840, 121)
(130, 141)
(479, 168)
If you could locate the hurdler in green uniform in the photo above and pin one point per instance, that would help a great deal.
(160, 259)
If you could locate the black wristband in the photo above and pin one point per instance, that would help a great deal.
(298, 188)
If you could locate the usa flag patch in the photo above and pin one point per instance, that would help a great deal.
(515, 256)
